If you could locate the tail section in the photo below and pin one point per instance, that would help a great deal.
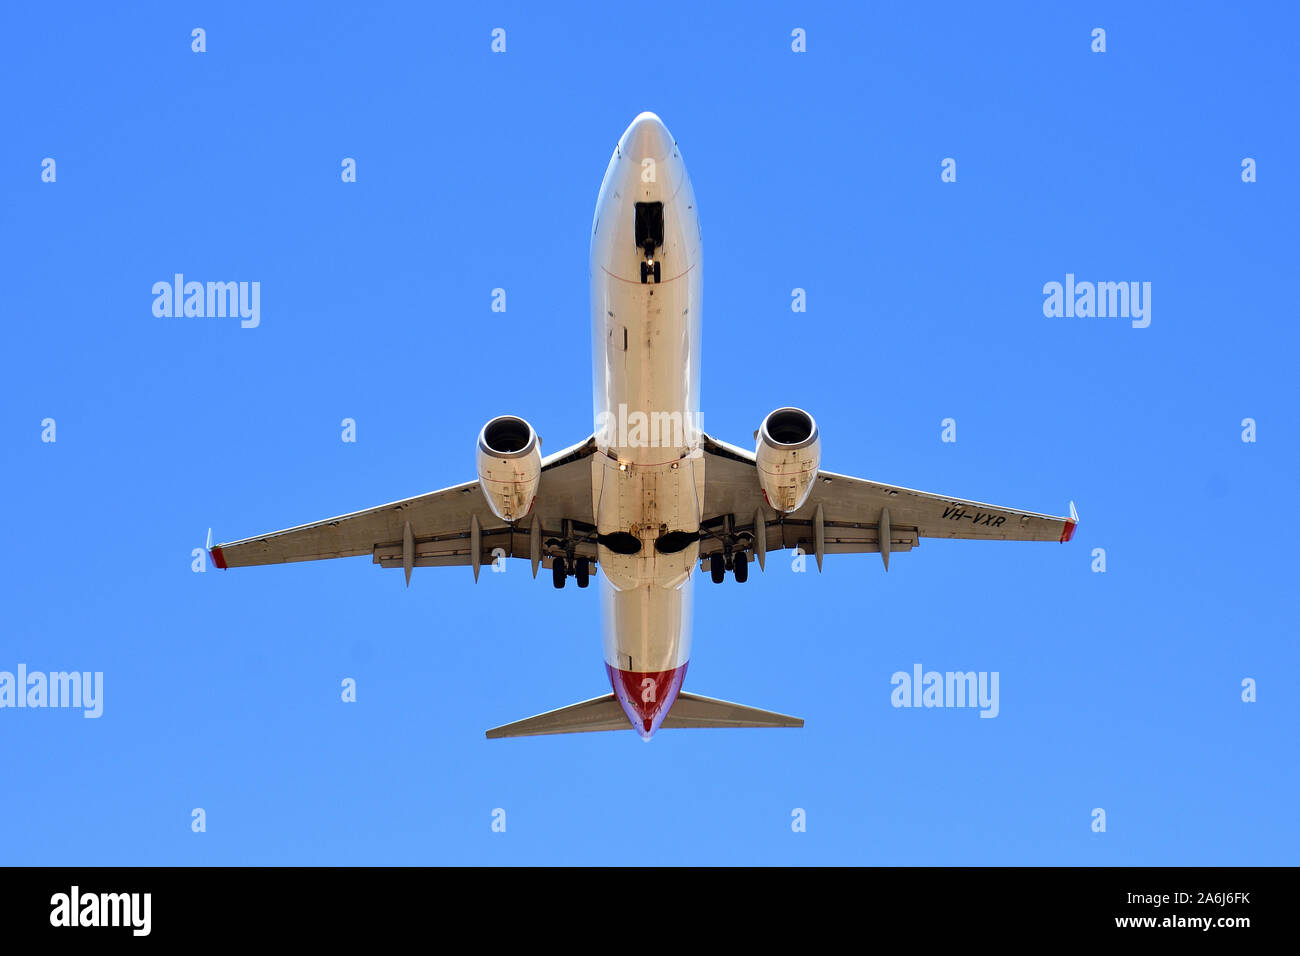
(606, 713)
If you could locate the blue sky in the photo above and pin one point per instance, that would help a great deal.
(821, 170)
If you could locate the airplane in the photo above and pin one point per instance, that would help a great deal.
(649, 497)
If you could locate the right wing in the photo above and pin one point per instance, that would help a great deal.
(854, 512)
(440, 526)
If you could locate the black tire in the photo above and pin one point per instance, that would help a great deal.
(557, 573)
(742, 567)
(582, 571)
(645, 272)
(717, 568)
(656, 270)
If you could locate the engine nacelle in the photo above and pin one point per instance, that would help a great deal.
(509, 466)
(789, 452)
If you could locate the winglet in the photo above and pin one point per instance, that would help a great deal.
(215, 554)
(1070, 524)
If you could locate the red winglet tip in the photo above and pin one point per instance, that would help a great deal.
(1070, 524)
(218, 558)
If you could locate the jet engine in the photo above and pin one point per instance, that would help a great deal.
(789, 452)
(509, 466)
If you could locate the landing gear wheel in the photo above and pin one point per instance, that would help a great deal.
(656, 272)
(557, 573)
(582, 571)
(717, 568)
(742, 567)
(645, 272)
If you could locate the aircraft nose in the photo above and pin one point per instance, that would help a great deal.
(647, 138)
(646, 696)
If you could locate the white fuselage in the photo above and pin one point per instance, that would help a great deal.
(648, 479)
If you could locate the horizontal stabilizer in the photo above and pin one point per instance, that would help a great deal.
(599, 713)
(692, 710)
(605, 713)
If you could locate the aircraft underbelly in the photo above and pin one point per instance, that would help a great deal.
(648, 479)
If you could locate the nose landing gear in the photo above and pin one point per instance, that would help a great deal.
(649, 233)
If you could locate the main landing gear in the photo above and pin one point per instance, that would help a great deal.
(564, 562)
(737, 563)
(734, 554)
(560, 571)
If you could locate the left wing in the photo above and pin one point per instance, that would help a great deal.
(439, 529)
(851, 515)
